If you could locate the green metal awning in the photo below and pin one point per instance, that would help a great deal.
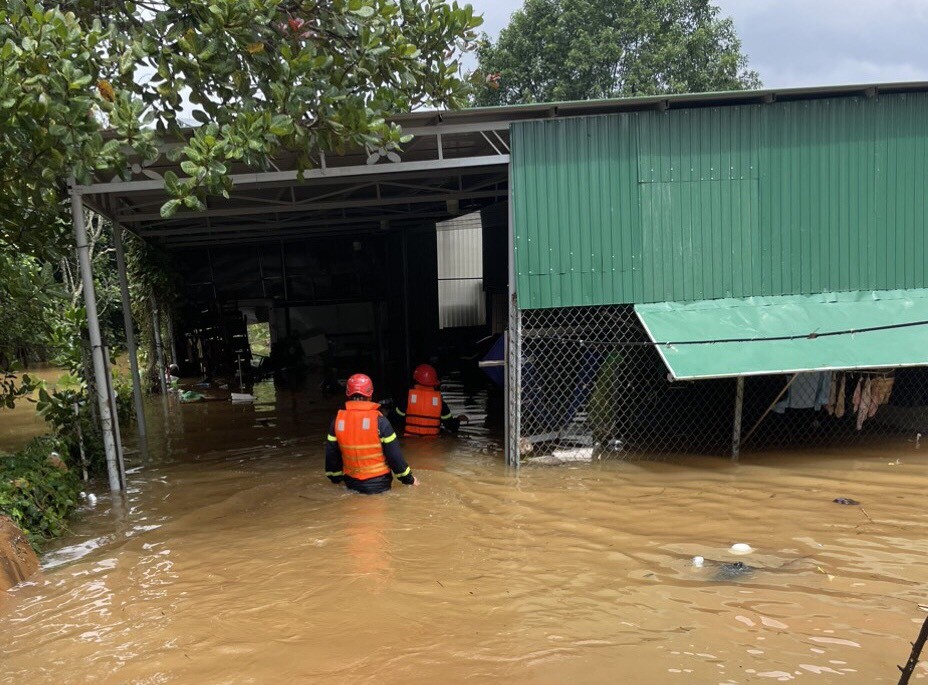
(772, 335)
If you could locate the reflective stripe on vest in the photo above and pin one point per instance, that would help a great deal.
(359, 441)
(423, 412)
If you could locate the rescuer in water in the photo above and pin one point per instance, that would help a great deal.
(426, 412)
(361, 450)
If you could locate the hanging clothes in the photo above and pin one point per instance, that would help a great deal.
(808, 391)
(862, 399)
(883, 389)
(873, 391)
(836, 396)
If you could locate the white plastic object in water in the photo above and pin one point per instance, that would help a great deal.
(576, 454)
(741, 548)
(698, 562)
(92, 499)
(242, 397)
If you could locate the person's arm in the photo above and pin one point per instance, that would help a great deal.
(333, 457)
(393, 455)
(449, 422)
(398, 417)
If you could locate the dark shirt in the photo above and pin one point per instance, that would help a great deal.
(391, 453)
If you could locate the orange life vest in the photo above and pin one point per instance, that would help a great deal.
(359, 441)
(423, 412)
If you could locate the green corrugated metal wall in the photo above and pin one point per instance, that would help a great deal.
(777, 199)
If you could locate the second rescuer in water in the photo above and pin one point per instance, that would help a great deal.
(361, 450)
(426, 412)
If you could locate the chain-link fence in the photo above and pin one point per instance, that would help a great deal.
(586, 383)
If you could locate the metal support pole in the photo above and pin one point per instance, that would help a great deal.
(286, 288)
(159, 350)
(171, 341)
(131, 348)
(114, 412)
(80, 441)
(736, 429)
(513, 342)
(93, 326)
(769, 409)
(406, 304)
(513, 422)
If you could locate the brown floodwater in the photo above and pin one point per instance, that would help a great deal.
(233, 560)
(19, 425)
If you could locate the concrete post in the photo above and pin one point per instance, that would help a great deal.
(100, 370)
(131, 348)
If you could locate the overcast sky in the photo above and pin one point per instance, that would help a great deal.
(812, 42)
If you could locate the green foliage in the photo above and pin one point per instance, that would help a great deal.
(37, 495)
(28, 293)
(259, 339)
(557, 50)
(12, 387)
(85, 83)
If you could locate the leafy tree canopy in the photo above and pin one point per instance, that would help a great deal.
(87, 82)
(558, 50)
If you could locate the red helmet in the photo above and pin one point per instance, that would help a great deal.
(426, 374)
(359, 384)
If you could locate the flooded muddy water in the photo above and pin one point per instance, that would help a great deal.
(233, 560)
(19, 425)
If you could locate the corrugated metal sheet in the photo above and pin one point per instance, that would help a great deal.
(707, 339)
(461, 300)
(775, 199)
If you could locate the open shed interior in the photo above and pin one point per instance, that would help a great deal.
(366, 262)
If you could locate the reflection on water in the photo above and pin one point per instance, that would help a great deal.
(233, 560)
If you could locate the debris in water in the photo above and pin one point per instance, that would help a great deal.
(577, 454)
(615, 445)
(566, 456)
(92, 499)
(825, 573)
(733, 570)
(846, 500)
(741, 548)
(698, 562)
(242, 398)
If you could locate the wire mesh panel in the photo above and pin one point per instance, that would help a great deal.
(590, 384)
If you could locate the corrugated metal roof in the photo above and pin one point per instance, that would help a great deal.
(632, 104)
(793, 197)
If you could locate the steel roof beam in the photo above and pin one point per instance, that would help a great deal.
(238, 228)
(260, 178)
(318, 206)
